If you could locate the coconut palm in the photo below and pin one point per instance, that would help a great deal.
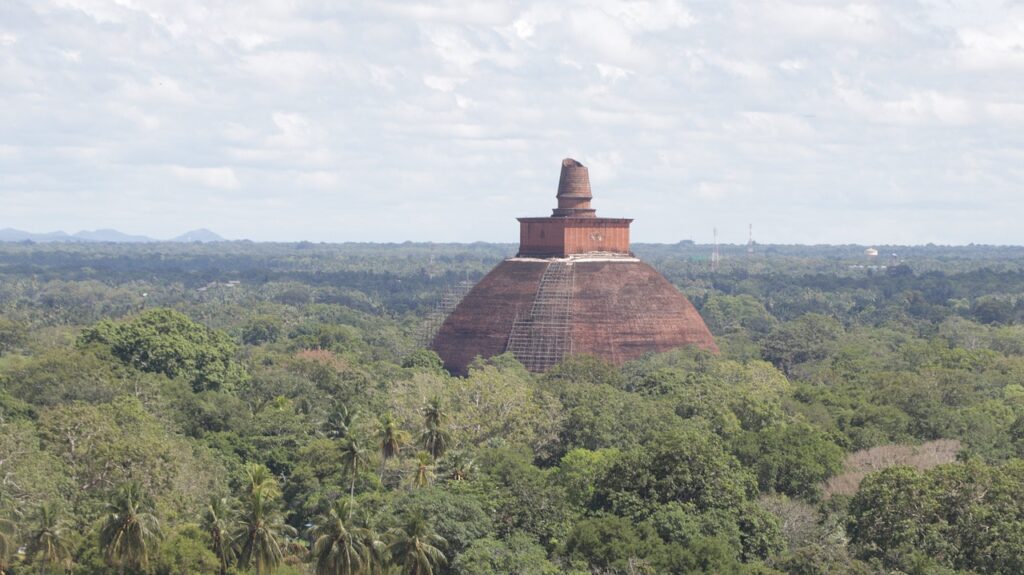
(424, 470)
(219, 522)
(458, 466)
(48, 542)
(339, 423)
(260, 534)
(260, 479)
(337, 545)
(434, 438)
(130, 530)
(415, 548)
(354, 458)
(8, 543)
(375, 552)
(434, 414)
(392, 439)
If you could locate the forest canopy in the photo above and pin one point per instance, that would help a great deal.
(271, 408)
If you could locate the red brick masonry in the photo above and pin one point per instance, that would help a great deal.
(560, 237)
(620, 310)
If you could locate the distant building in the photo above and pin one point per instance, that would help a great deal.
(871, 252)
(574, 288)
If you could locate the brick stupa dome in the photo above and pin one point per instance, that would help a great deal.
(574, 288)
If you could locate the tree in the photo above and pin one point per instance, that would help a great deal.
(392, 439)
(424, 470)
(807, 338)
(129, 530)
(168, 342)
(8, 543)
(261, 329)
(48, 542)
(355, 459)
(12, 335)
(219, 523)
(337, 547)
(261, 533)
(434, 438)
(458, 466)
(791, 459)
(415, 549)
(518, 554)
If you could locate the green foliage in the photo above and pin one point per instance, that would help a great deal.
(610, 542)
(678, 452)
(964, 516)
(687, 464)
(805, 339)
(13, 335)
(130, 530)
(261, 329)
(416, 548)
(168, 342)
(185, 552)
(519, 553)
(793, 459)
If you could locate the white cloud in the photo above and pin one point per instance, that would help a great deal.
(220, 178)
(791, 112)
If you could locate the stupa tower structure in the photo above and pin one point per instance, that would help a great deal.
(574, 288)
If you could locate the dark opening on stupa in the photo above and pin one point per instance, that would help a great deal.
(574, 288)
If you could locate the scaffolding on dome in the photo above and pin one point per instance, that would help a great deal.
(450, 298)
(544, 337)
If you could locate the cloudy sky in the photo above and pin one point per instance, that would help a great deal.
(896, 121)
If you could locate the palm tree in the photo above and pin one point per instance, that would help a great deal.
(261, 480)
(337, 546)
(434, 414)
(8, 543)
(355, 459)
(415, 547)
(48, 541)
(374, 546)
(392, 439)
(434, 438)
(424, 470)
(458, 466)
(375, 552)
(129, 530)
(260, 534)
(219, 521)
(339, 423)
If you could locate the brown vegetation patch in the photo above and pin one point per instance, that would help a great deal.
(860, 463)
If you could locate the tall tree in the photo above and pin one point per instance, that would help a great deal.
(392, 439)
(129, 530)
(415, 547)
(260, 535)
(261, 480)
(424, 470)
(48, 542)
(219, 520)
(337, 547)
(434, 438)
(355, 459)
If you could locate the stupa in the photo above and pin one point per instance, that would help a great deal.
(574, 288)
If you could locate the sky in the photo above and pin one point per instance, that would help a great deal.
(889, 122)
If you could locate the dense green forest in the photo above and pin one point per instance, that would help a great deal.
(269, 408)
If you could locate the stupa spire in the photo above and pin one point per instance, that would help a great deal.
(574, 192)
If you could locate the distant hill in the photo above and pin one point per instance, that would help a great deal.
(200, 235)
(13, 235)
(110, 236)
(106, 235)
